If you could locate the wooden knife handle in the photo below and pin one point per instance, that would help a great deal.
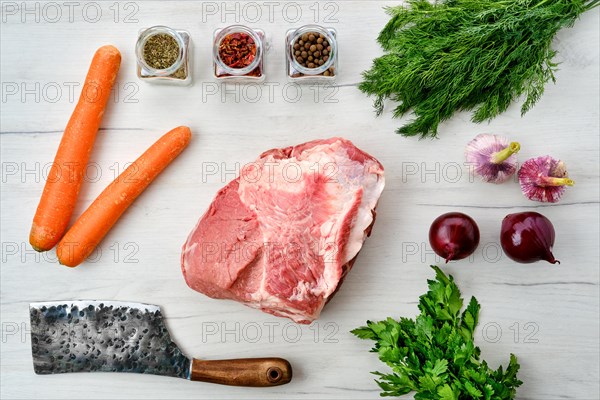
(258, 372)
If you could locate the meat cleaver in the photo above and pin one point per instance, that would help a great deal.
(112, 336)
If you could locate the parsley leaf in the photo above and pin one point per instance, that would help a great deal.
(435, 354)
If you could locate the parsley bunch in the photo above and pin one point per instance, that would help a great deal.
(454, 55)
(435, 354)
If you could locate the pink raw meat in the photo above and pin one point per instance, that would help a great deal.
(283, 235)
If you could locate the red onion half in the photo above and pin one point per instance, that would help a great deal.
(454, 236)
(528, 237)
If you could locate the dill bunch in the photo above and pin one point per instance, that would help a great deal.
(455, 55)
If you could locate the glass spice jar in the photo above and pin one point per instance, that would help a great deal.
(238, 54)
(163, 56)
(311, 54)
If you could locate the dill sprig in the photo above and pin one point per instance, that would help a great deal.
(456, 55)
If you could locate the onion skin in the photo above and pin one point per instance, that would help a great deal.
(528, 237)
(454, 236)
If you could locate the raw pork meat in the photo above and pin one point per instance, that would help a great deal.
(282, 236)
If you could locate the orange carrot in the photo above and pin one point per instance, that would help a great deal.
(66, 174)
(95, 222)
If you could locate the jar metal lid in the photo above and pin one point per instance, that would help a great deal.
(157, 30)
(330, 39)
(222, 34)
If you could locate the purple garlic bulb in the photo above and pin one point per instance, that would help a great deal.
(492, 157)
(544, 179)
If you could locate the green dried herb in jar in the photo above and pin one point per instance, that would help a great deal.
(162, 55)
(161, 51)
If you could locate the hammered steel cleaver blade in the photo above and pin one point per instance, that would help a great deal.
(112, 336)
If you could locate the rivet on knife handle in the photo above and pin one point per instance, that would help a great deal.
(258, 372)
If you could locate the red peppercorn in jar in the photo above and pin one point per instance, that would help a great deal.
(238, 53)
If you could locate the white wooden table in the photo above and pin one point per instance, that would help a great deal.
(547, 315)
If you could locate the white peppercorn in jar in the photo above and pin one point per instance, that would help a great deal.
(163, 56)
(312, 54)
